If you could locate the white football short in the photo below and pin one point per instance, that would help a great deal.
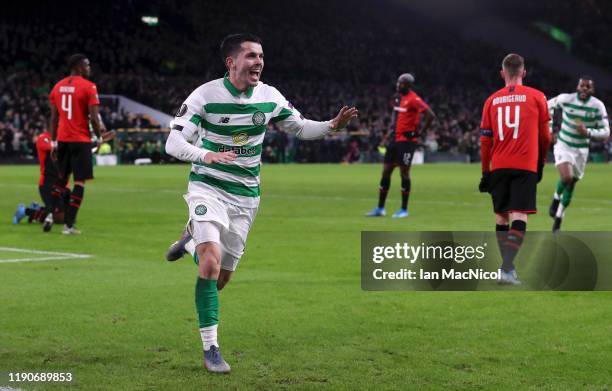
(214, 220)
(577, 157)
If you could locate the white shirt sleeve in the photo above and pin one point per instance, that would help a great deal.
(184, 130)
(180, 148)
(288, 118)
(602, 131)
(553, 104)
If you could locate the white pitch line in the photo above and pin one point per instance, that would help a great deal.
(54, 255)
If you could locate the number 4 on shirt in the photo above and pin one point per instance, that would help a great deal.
(67, 105)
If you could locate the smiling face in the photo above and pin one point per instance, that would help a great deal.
(585, 88)
(246, 65)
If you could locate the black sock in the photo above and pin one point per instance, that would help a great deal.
(40, 215)
(405, 192)
(501, 232)
(512, 244)
(76, 197)
(56, 197)
(385, 183)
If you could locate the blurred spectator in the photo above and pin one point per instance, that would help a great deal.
(351, 60)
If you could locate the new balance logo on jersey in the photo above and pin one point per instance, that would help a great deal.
(224, 120)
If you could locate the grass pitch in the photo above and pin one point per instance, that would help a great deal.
(294, 316)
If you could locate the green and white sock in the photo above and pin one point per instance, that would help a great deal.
(207, 306)
(560, 211)
(567, 196)
(209, 336)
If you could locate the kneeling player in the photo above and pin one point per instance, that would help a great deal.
(514, 140)
(48, 177)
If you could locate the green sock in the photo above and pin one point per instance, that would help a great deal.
(207, 302)
(560, 187)
(567, 196)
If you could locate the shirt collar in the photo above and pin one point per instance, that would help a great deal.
(233, 90)
(582, 100)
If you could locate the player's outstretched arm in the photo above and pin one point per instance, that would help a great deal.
(345, 115)
(311, 130)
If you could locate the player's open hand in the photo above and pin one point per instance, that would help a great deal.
(345, 115)
(219, 157)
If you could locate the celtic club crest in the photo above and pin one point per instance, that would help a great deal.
(259, 118)
(200, 210)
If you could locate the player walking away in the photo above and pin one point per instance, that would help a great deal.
(584, 117)
(74, 101)
(220, 129)
(48, 177)
(514, 139)
(407, 110)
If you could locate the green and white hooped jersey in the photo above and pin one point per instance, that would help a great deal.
(225, 119)
(592, 113)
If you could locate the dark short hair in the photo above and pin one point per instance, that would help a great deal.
(513, 64)
(75, 60)
(586, 77)
(231, 44)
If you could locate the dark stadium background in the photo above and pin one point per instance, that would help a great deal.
(295, 315)
(319, 53)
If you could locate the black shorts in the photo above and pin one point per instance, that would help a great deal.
(75, 159)
(513, 190)
(400, 153)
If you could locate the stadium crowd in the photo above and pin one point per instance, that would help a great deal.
(586, 21)
(362, 55)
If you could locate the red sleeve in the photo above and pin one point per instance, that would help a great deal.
(43, 143)
(543, 127)
(486, 138)
(420, 105)
(93, 96)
